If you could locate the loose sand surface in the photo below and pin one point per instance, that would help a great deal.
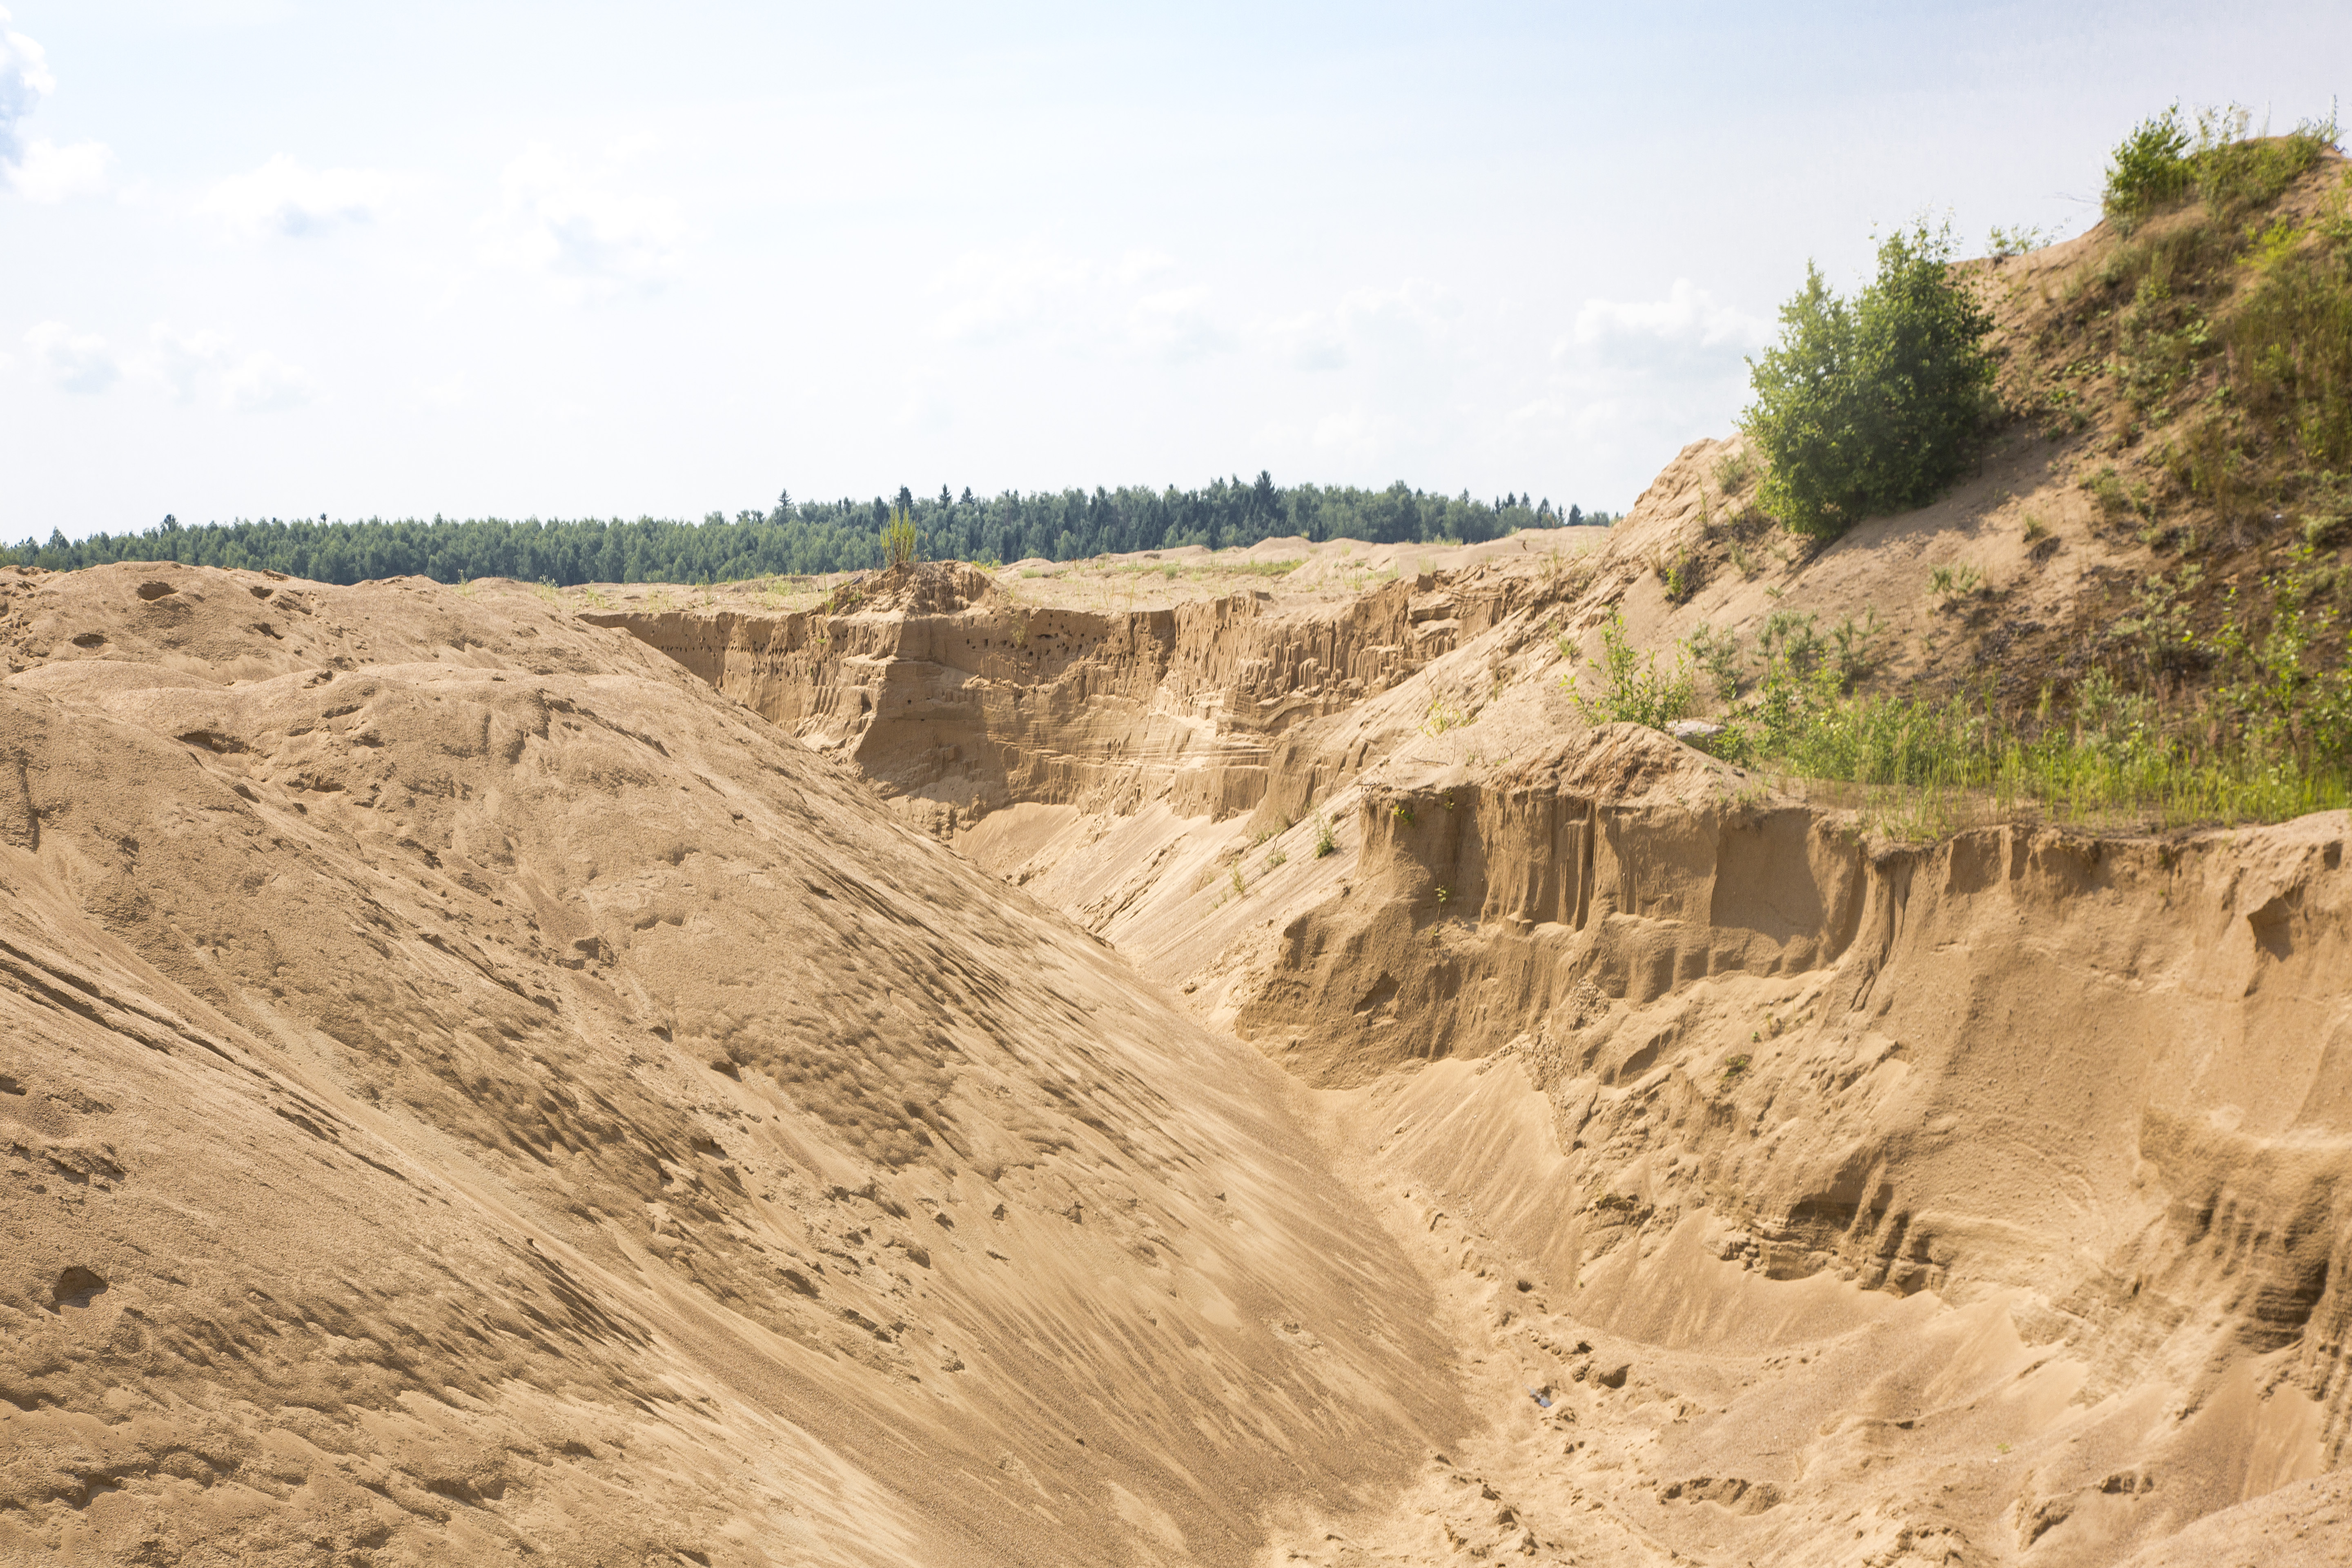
(492, 1076)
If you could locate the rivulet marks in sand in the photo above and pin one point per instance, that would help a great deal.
(473, 1093)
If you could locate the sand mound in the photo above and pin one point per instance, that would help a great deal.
(472, 1093)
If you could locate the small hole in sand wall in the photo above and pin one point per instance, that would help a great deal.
(74, 1287)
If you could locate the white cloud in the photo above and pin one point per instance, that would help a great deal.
(1412, 321)
(75, 362)
(37, 168)
(24, 80)
(1077, 304)
(182, 362)
(1174, 325)
(1686, 323)
(208, 367)
(587, 231)
(49, 173)
(286, 198)
(996, 295)
(1639, 378)
(261, 383)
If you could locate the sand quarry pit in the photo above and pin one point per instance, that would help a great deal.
(1123, 1066)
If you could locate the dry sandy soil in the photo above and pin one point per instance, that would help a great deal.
(1115, 1065)
(1849, 1195)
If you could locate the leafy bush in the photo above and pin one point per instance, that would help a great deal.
(1866, 405)
(1637, 694)
(2160, 164)
(2018, 241)
(899, 540)
(2290, 342)
(2233, 172)
(2150, 171)
(1958, 582)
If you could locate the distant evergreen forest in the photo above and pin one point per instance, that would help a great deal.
(809, 537)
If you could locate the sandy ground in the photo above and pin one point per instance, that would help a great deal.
(474, 1093)
(473, 1089)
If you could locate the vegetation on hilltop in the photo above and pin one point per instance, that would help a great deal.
(1867, 405)
(2190, 365)
(809, 537)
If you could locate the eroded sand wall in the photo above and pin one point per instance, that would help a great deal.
(956, 701)
(2100, 1087)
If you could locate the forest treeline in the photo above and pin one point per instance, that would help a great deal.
(809, 537)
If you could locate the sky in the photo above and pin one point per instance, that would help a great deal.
(288, 257)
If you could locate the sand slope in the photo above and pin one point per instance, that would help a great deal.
(473, 1093)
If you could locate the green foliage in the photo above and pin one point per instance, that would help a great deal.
(809, 538)
(901, 541)
(1866, 405)
(1679, 576)
(2113, 496)
(1402, 813)
(2233, 172)
(2290, 341)
(1326, 841)
(2016, 241)
(1787, 638)
(2149, 170)
(2159, 165)
(2269, 244)
(1957, 581)
(1856, 645)
(1718, 653)
(1444, 714)
(2283, 704)
(2157, 631)
(1635, 692)
(2273, 740)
